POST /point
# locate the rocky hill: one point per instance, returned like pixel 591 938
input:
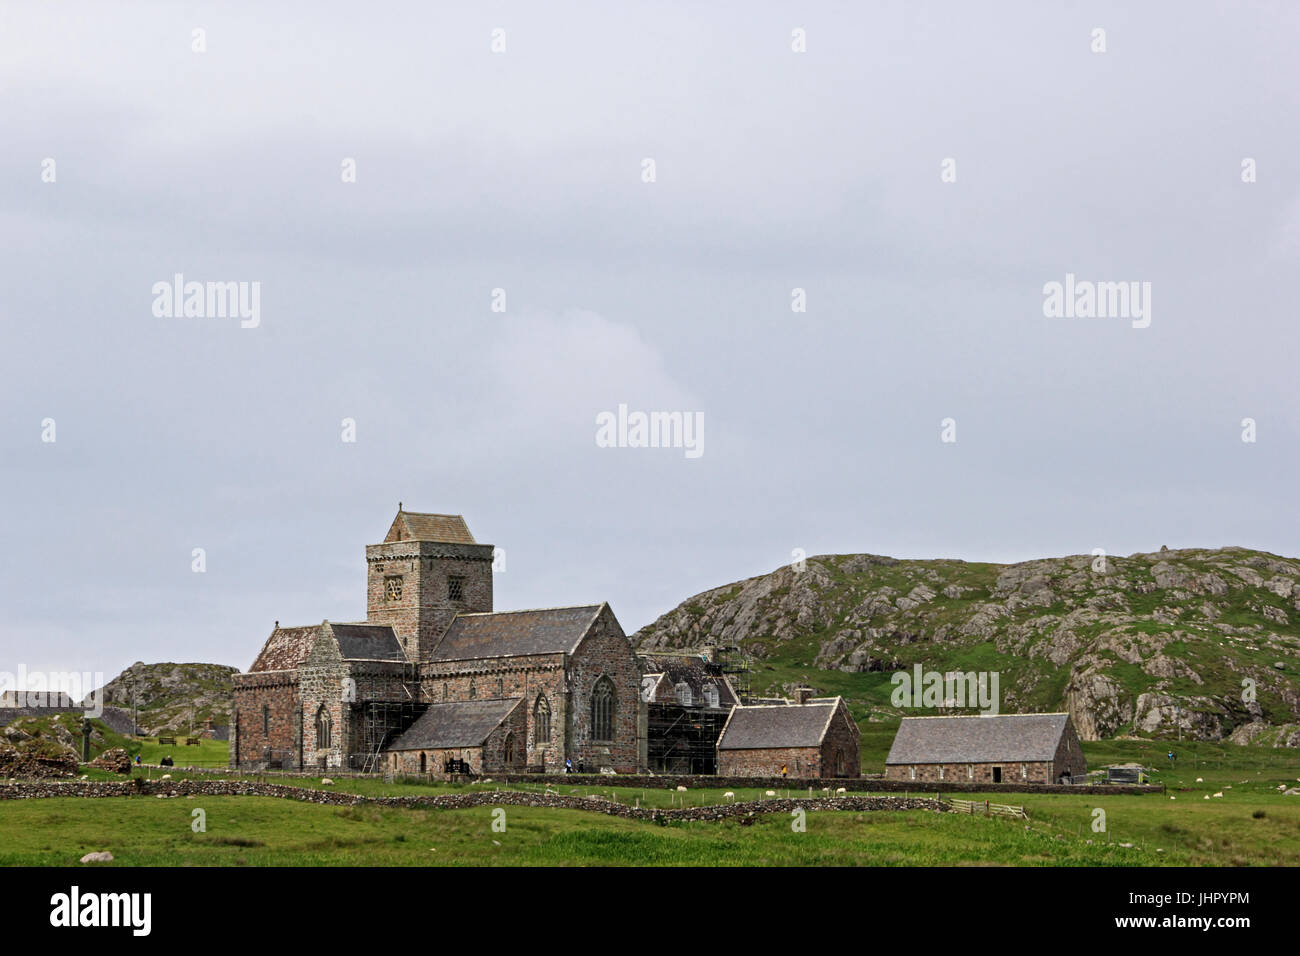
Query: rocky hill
pixel 173 697
pixel 1202 642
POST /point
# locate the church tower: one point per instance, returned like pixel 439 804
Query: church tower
pixel 428 569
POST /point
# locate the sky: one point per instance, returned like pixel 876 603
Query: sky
pixel 474 228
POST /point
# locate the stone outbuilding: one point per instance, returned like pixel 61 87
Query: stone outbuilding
pixel 812 737
pixel 464 736
pixel 1003 748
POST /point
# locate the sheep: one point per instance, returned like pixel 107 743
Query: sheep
pixel 771 793
pixel 1219 794
pixel 681 789
pixel 729 796
pixel 841 790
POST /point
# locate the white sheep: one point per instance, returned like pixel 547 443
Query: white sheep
pixel 681 789
pixel 771 793
pixel 1219 794
pixel 841 790
pixel 729 796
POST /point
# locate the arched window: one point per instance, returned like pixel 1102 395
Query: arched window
pixel 501 687
pixel 711 695
pixel 684 696
pixel 541 722
pixel 602 710
pixel 446 691
pixel 266 720
pixel 473 689
pixel 509 750
pixel 323 728
pixel 839 764
pixel 422 761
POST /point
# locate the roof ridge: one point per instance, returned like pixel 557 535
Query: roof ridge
pixel 528 610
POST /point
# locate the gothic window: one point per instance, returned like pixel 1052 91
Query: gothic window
pixel 839 765
pixel 684 694
pixel 602 710
pixel 423 761
pixel 455 588
pixel 509 749
pixel 541 722
pixel 473 689
pixel 446 691
pixel 501 687
pixel 393 588
pixel 266 720
pixel 323 727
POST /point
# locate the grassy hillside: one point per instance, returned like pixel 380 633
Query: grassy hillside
pixel 173 698
pixel 1149 644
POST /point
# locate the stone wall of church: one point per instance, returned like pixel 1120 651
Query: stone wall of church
pixel 264 724
pixel 605 654
pixel 408 586
pixel 528 676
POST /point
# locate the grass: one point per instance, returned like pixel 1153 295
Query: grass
pixel 208 753
pixel 1251 824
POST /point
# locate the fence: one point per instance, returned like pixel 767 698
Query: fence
pixel 988 809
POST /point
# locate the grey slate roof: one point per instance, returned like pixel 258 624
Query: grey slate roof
pixel 418 526
pixel 1005 737
pixel 777 725
pixel 692 670
pixel 367 642
pixel 513 633
pixel 459 723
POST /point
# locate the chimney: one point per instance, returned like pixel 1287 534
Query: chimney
pixel 802 694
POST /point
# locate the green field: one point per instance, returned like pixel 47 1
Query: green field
pixel 1251 824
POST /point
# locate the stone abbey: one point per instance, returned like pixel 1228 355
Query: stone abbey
pixel 435 680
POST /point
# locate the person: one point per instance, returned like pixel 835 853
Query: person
pixel 137 758
pixel 568 765
pixel 785 771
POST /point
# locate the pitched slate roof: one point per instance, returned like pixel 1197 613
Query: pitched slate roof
pixel 777 725
pixel 417 526
pixel 1009 737
pixel 690 669
pixel 460 723
pixel 367 642
pixel 554 630
pixel 286 648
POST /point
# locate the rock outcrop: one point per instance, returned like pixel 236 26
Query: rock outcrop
pixel 1169 642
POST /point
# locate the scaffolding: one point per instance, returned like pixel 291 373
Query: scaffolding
pixel 734 664
pixel 379 723
pixel 683 739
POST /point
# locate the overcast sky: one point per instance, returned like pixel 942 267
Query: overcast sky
pixel 523 170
